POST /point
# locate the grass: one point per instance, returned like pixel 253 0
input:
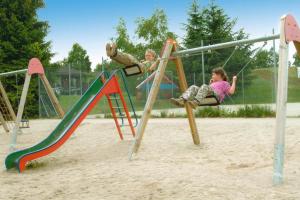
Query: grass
pixel 260 91
pixel 102 107
pixel 262 88
pixel 251 111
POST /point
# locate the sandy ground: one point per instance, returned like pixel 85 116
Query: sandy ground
pixel 234 161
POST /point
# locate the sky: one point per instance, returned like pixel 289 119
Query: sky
pixel 91 23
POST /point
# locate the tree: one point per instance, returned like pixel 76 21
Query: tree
pixel 153 31
pixel 150 32
pixel 212 25
pixel 78 58
pixel 265 59
pixel 22 36
pixel 123 40
pixel 297 60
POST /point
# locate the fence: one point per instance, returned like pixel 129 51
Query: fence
pixel 258 87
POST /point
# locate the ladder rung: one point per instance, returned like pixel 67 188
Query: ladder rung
pixel 112 98
pixel 117 107
pixel 120 117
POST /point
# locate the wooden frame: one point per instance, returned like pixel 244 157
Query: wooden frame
pixel 170 47
pixel 289 31
pixel 34 67
pixel 7 105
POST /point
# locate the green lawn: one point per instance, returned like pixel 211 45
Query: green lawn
pixel 102 107
pixel 261 90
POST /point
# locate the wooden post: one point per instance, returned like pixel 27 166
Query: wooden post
pixel 183 86
pixel 52 96
pixel 281 106
pixel 3 122
pixel 20 112
pixel 152 96
pixel 7 102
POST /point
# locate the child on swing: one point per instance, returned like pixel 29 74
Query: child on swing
pixel 150 62
pixel 218 86
pixel 147 65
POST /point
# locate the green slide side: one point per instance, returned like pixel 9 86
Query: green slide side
pixel 12 159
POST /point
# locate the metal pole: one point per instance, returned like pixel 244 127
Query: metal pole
pixel 39 86
pixel 203 73
pixel 80 77
pixel 69 79
pixel 243 88
pixel 274 70
pixel 102 65
pixel 188 52
pixel 13 72
pixel 194 77
pixel 172 79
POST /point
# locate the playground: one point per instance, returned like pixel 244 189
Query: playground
pixel 212 113
pixel 96 162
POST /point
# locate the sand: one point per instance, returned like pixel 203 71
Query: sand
pixel 234 161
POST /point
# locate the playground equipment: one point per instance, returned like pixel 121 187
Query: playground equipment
pixel 7 114
pixel 119 108
pixel 289 32
pixel 99 88
pixel 34 67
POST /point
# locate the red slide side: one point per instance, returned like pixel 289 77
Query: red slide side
pixel 110 87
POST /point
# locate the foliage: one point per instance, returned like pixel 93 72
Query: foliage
pixel 245 111
pixel 22 36
pixel 297 60
pixel 265 59
pixel 212 25
pixel 78 58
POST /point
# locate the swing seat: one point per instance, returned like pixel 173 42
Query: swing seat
pixel 132 70
pixel 24 123
pixel 211 100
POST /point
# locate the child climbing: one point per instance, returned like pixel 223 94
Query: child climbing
pixel 148 65
pixel 218 86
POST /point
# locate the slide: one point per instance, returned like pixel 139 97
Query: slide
pixel 67 126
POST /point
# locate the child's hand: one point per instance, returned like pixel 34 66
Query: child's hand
pixel 211 81
pixel 234 78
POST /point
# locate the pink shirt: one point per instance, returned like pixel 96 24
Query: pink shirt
pixel 221 88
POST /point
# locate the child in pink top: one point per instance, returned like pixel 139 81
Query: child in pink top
pixel 218 87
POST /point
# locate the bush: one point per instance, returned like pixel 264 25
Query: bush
pixel 256 111
pixel 246 111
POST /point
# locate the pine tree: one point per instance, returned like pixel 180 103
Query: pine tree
pixel 212 25
pixel 22 36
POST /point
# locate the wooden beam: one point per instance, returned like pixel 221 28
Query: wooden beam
pixel 152 96
pixel 7 102
pixel 52 96
pixel 3 122
pixel 183 86
pixel 20 112
pixel 281 106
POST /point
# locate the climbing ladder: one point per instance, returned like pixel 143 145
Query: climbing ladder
pixel 119 109
pixel 7 114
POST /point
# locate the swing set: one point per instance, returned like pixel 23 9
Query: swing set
pixel 17 121
pixel 289 32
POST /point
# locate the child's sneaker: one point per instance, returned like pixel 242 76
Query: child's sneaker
pixel 177 101
pixel 194 104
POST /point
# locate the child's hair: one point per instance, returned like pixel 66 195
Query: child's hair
pixel 152 52
pixel 220 71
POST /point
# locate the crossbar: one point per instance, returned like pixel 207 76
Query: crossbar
pixel 13 72
pixel 192 51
